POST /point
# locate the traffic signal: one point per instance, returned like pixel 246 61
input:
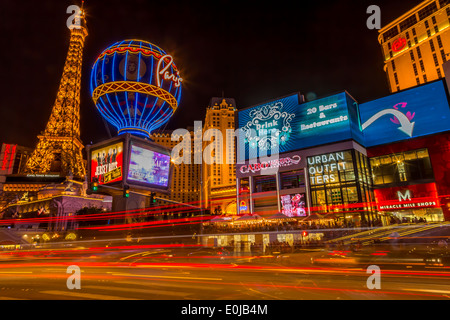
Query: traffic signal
pixel 304 233
pixel 94 185
pixel 152 198
pixel 126 191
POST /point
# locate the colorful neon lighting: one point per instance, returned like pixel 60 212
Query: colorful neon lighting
pixel 398 44
pixel 5 156
pixel 135 86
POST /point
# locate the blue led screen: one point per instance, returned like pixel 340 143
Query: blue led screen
pixel 405 115
pixel 284 125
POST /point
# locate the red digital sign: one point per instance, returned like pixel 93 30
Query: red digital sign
pixel 417 196
pixel 107 163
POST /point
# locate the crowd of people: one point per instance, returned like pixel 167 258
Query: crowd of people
pixel 271 226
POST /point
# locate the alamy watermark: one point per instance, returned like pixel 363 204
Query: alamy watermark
pixel 74 280
pixel 374 281
pixel 374 21
pixel 74 20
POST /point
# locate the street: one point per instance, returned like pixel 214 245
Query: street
pixel 139 274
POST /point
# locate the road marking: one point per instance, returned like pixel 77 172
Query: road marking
pixel 168 277
pixel 177 285
pixel 83 295
pixel 429 290
pixel 148 291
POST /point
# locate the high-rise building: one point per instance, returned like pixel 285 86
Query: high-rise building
pixel 219 178
pixel 215 177
pixel 416 45
pixel 185 183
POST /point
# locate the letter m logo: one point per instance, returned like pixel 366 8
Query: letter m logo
pixel 404 196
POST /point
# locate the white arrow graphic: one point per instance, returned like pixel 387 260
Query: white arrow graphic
pixel 407 126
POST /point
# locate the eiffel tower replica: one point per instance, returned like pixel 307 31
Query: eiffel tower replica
pixel 59 149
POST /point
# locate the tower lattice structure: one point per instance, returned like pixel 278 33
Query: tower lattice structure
pixel 59 148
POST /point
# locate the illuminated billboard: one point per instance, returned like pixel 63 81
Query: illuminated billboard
pixel 107 163
pixel 293 205
pixel 148 167
pixel 405 115
pixel 285 125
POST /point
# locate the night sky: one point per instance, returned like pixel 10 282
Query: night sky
pixel 251 51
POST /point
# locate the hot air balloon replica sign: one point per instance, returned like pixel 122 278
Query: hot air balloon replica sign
pixel 136 87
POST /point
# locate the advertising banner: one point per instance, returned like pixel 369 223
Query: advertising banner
pixel 413 113
pixel 405 198
pixel 293 205
pixel 107 163
pixel 284 125
pixel 148 167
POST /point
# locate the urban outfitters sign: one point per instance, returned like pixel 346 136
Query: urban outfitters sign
pixel 324 168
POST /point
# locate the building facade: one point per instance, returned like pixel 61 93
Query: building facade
pixel 416 45
pixel 185 183
pixel 374 163
pixel 218 175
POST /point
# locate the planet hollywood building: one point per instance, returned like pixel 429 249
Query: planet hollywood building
pixel 336 159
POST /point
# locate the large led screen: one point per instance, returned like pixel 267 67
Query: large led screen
pixel 405 115
pixel 107 163
pixel 148 167
pixel 293 205
pixel 285 125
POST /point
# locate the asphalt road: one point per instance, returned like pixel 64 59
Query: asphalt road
pixel 140 274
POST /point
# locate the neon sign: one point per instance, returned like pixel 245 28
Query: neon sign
pixel 269 127
pixel 323 169
pixel 290 124
pixel 398 44
pixel 164 71
pixel 283 162
pixel 135 86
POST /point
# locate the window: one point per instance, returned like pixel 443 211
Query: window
pixel 411 53
pixel 436 62
pixel 419 53
pixel 444 56
pixel 265 183
pixel 439 40
pixel 427 11
pixel 443 3
pixel 422 66
pixel 438 71
pixel 406 24
pixel 402 167
pixel 292 179
pixel 393 66
pixel 390 33
pixel 433 49
pixel 396 78
pixel 415 69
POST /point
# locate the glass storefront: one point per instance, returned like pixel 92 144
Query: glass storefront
pixel 413 171
pixel 340 183
pixel 406 167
